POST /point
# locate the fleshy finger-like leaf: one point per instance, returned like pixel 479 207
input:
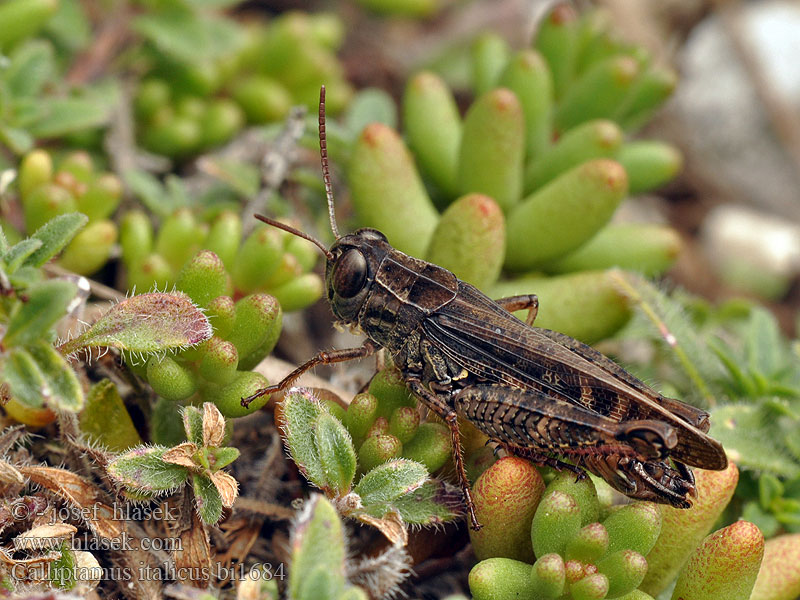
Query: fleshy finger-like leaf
pixel 146 324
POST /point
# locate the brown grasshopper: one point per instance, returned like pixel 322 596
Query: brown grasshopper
pixel 537 392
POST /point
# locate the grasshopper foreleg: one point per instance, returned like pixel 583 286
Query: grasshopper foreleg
pixel 529 301
pixel 322 358
pixel 441 408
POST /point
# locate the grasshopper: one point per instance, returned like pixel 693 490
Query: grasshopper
pixel 538 393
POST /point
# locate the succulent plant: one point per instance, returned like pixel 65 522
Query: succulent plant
pixel 196 96
pixel 530 177
pixel 46 192
pixel 395 492
pixel 268 260
pixel 384 423
pixel 583 548
pixel 218 370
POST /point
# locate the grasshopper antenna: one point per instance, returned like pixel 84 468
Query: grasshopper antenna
pixel 296 232
pixel 323 154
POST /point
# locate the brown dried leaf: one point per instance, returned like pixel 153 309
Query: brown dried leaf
pixel 227 487
pixel 44 537
pixel 241 534
pixel 9 474
pixel 182 455
pixel 87 570
pixel 80 493
pixel 213 426
pixel 193 553
pixel 391 526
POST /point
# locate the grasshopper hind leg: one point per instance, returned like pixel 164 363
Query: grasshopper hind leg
pixel 441 408
pixel 541 459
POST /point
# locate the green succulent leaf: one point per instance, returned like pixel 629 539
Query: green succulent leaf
pixel 725 566
pixel 143 469
pixel 634 527
pixel 505 578
pixel 370 105
pixel 557 520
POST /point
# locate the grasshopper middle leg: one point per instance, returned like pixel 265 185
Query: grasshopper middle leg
pixel 529 301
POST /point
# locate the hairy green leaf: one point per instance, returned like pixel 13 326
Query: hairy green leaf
pixel 63 390
pixel 300 415
pixel 147 323
pixel 317 541
pixel 143 469
pixel 391 480
pixel 55 234
pixel 209 502
pixel 45 303
pixel 336 453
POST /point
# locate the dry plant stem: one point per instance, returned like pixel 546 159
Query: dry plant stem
pixel 97 289
pixel 264 487
pixel 275 165
pixel 269 510
pixel 112 36
pixel 783 116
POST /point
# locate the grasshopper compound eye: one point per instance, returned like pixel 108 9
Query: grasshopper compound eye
pixel 349 274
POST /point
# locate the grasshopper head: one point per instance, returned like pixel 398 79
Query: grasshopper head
pixel 350 271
